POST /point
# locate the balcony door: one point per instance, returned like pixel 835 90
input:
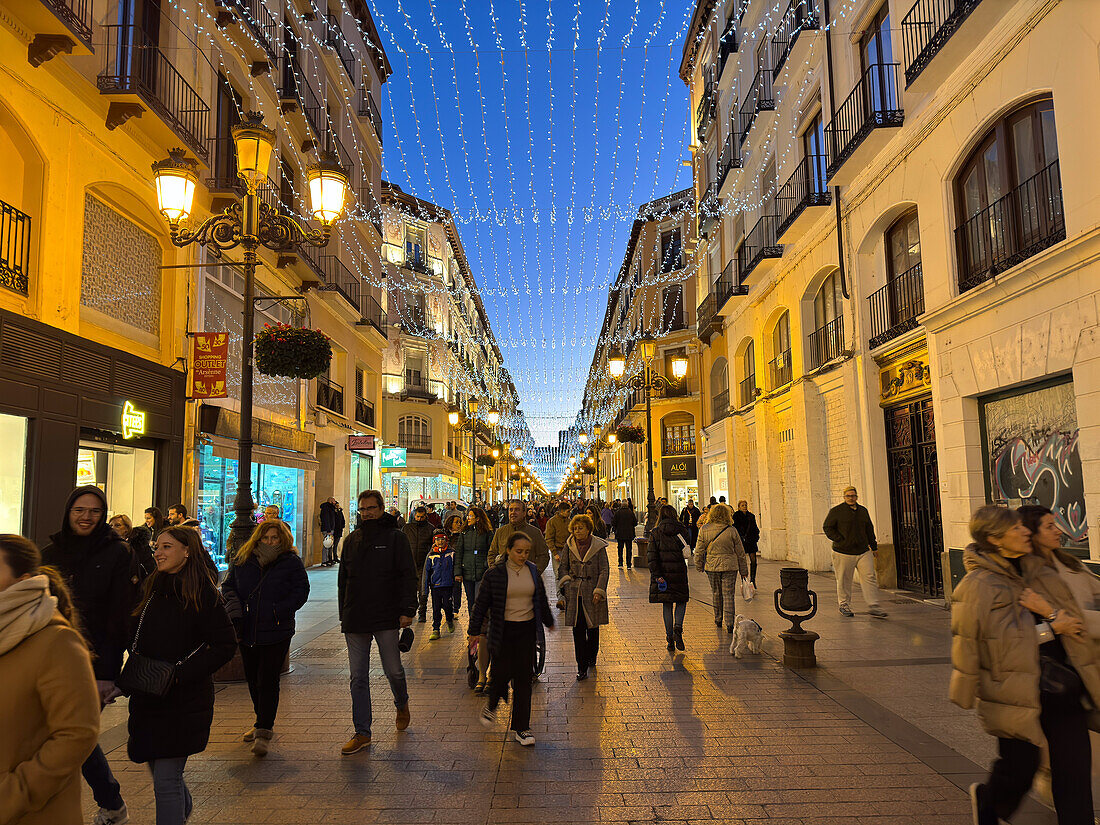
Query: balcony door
pixel 671 254
pixel 876 56
pixel 813 148
pixel 902 255
pixel 672 300
pixel 139 41
pixel 228 109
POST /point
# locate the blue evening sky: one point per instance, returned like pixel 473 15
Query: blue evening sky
pixel 541 126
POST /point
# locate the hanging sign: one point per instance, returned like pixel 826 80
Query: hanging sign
pixel 360 442
pixel 680 468
pixel 133 421
pixel 393 458
pixel 209 363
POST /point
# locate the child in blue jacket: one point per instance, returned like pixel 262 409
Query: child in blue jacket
pixel 439 578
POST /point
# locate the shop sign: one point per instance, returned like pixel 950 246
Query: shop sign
pixel 360 442
pixel 133 421
pixel 393 457
pixel 678 468
pixel 209 363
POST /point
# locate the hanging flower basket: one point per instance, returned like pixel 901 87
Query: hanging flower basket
pixel 485 461
pixel 628 434
pixel 589 470
pixel 292 352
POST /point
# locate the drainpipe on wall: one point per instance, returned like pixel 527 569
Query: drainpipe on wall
pixel 836 189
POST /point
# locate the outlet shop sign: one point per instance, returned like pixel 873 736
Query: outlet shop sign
pixel 678 468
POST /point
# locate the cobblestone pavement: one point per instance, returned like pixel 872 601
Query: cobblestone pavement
pixel 698 737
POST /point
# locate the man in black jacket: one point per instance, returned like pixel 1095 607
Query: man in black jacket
pixel 332 524
pixel 849 527
pixel 377 598
pixel 419 533
pixel 623 523
pixel 96 564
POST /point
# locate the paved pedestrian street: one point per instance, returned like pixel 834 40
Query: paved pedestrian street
pixel 868 738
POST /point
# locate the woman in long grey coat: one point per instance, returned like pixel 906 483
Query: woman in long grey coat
pixel 582 581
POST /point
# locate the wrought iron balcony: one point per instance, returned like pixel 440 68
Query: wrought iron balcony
pixel 779 370
pixel 135 65
pixel 727 286
pixel 364 412
pixel 341 279
pixel 728 44
pixel 805 188
pixel 415 442
pixel 707 320
pixel 1024 222
pixel 758 99
pixel 15 248
pixel 330 395
pixel 678 445
pixel 761 243
pixel 710 212
pixel 800 16
pixel 295 88
pixel 707 109
pixel 74 15
pixel 874 103
pixel 720 406
pixel 826 342
pixel 261 22
pixel 927 28
pixel 747 390
pixel 896 306
pixel 223 166
pixel 369 110
pixel 730 158
pixel 334 39
pixel 373 314
pixel 412 389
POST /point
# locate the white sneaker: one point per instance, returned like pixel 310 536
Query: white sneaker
pixel 488 717
pixel 105 816
pixel 524 737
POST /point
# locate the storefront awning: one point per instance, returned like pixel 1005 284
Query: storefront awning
pixel 227 448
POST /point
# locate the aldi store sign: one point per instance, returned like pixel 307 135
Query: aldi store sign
pixel 394 458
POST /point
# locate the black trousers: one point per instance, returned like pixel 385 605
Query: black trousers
pixel 586 642
pixel 626 545
pixel 752 568
pixel 330 554
pixel 1014 768
pixel 263 664
pixel 441 603
pixel 515 663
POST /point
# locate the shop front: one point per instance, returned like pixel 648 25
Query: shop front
pixel 76 412
pixel 362 449
pixel 283 470
pixel 719 481
pixel 401 488
pixel 679 474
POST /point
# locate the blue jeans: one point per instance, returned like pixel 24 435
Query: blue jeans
pixel 677 622
pixel 105 788
pixel 359 659
pixel 471 589
pixel 170 791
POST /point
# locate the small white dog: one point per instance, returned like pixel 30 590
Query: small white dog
pixel 747 635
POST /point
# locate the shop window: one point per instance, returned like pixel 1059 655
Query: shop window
pixel 13 446
pixel 125 475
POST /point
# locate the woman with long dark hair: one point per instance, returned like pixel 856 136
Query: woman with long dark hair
pixel 668 576
pixel 47 689
pixel 471 562
pixel 455 525
pixel 264 587
pixel 180 620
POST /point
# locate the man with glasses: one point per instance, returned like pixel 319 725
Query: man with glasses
pixel 377 599
pixel 849 527
pixel 96 565
pixel 517 515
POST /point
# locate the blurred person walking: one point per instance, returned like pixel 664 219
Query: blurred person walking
pixel 471 562
pixel 419 533
pixel 623 524
pixel 745 524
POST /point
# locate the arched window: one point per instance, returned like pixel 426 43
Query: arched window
pixel 1009 195
pixel 827 339
pixel 779 372
pixel 896 306
pixel 719 389
pixel 679 434
pixel 414 433
pixel 747 392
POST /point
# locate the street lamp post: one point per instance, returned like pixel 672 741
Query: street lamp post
pixel 250 224
pixel 648 380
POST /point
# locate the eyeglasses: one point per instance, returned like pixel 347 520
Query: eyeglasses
pixel 86 511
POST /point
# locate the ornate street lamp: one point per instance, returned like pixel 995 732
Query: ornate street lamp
pixel 250 224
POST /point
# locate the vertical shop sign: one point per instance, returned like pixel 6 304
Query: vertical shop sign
pixel 209 362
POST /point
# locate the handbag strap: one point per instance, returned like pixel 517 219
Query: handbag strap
pixel 133 646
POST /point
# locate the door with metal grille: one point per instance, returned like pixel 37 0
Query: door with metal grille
pixel 915 496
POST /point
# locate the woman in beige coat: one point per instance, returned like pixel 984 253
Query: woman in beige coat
pixel 582 581
pixel 1019 651
pixel 721 555
pixel 47 690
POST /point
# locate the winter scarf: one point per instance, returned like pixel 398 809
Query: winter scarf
pixel 25 608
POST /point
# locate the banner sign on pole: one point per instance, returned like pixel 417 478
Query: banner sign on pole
pixel 209 363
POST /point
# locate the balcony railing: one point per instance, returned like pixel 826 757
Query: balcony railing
pixel 927 27
pixel 720 406
pixel 417 264
pixel 678 445
pixel 707 108
pixel 15 248
pixel 779 370
pixel 369 110
pixel 342 279
pixel 334 39
pixel 330 395
pixel 415 443
pixel 874 103
pixel 364 412
pixel 295 87
pixel 373 314
pixel 223 166
pixel 896 306
pixel 710 212
pixel 801 15
pixel 806 187
pixel 759 244
pixel 730 158
pixel 728 285
pixel 1024 222
pixel 728 43
pixel 758 99
pixel 672 263
pixel 263 24
pixel 827 342
pixel 75 14
pixel 707 320
pixel 412 389
pixel 136 65
pixel 746 390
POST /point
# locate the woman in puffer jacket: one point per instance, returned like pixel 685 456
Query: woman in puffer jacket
pixel 720 554
pixel 1019 651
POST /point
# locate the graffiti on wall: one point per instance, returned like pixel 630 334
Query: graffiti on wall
pixel 1032 443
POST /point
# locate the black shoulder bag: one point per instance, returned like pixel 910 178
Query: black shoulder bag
pixel 144 674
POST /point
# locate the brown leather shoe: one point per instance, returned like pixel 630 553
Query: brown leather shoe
pixel 403 717
pixel 355 744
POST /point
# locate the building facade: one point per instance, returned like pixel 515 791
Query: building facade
pixel 893 247
pixel 96 94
